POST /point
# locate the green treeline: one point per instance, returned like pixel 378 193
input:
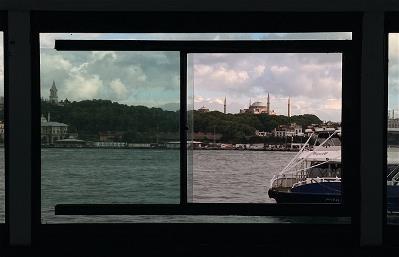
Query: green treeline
pixel 138 123
pixel 240 128
pixel 150 125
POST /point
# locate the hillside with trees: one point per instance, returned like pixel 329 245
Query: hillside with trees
pixel 144 124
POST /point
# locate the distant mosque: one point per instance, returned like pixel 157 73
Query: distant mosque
pixel 261 108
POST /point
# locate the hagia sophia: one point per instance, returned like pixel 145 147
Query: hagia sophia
pixel 254 108
pixel 260 108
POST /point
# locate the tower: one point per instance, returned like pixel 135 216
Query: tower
pixel 289 107
pixel 53 94
pixel 268 104
pixel 224 105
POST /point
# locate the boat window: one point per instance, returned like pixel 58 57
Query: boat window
pixel 258 122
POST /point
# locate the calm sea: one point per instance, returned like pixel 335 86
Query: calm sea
pixel 152 176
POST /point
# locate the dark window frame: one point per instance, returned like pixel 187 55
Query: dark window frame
pixel 47 22
pixel 185 48
pixel 389 230
pixel 4 226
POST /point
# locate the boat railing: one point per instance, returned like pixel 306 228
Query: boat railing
pixel 287 180
pixel 316 180
pixel 297 161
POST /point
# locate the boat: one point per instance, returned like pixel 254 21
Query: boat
pixel 314 176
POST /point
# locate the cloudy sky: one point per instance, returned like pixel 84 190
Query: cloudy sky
pixel 313 81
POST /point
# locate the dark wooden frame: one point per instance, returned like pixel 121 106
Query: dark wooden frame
pixel 211 235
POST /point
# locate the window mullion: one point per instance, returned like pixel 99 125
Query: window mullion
pixel 183 127
pixel 372 130
pixel 19 128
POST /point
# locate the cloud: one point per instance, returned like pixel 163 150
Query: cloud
pixel 118 87
pixel 260 69
pixel 310 79
pixel 81 87
pixel 152 78
pixel 278 70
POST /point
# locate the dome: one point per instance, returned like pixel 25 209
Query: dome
pixel 258 104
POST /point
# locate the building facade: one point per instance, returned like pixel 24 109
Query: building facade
pixel 52 131
pixel 288 130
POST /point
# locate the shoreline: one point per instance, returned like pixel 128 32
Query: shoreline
pixel 165 148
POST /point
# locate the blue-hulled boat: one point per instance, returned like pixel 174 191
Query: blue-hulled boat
pixel 314 175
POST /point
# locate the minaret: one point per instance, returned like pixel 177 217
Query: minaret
pixel 53 94
pixel 289 107
pixel 249 103
pixel 268 104
pixel 224 105
pixel 393 113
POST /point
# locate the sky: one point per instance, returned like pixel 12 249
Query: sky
pixel 312 81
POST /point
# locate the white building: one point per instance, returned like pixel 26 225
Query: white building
pixel 288 131
pixel 52 131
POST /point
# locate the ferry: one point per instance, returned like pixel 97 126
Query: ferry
pixel 314 176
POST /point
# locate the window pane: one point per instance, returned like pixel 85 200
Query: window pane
pixel 109 128
pixel 265 127
pixel 393 130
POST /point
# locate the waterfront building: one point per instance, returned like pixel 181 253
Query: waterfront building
pixel 110 144
pixel 288 130
pixel 190 144
pixel 328 126
pixel 53 94
pixel 52 131
pixel 393 123
pixel 262 133
pixel 203 109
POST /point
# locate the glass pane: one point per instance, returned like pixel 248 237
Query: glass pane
pixel 393 130
pixel 109 128
pixel 266 127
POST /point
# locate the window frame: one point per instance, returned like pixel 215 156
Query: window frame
pixel 4 226
pixel 52 22
pixel 389 230
pixel 193 47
